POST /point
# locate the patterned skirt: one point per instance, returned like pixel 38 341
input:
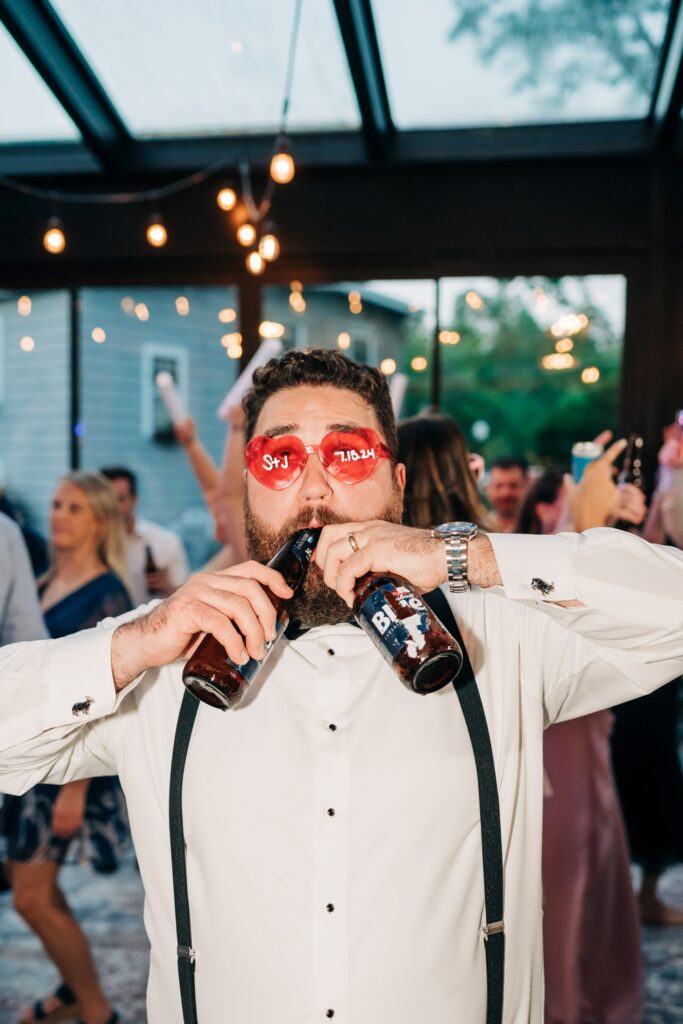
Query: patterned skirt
pixel 26 825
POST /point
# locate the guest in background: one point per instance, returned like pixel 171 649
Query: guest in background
pixel 83 585
pixel 440 484
pixel 155 557
pixel 20 617
pixel 506 489
pixel 591 936
pixel 645 737
pixel 34 541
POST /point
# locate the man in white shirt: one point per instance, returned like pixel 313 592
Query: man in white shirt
pixel 157 563
pixel 331 822
pixel 20 615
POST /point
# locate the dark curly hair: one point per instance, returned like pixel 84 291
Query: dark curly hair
pixel 320 367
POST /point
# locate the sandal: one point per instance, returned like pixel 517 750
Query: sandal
pixel 68 1009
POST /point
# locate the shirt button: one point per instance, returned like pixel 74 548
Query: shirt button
pixel 330 908
pixel 329 1013
pixel 330 651
pixel 332 727
pixel 331 812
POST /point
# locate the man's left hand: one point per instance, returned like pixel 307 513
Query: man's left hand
pixel 383 547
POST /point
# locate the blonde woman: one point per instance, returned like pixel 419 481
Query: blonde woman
pixel 85 583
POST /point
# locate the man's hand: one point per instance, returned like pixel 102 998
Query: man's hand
pixel 231 605
pixel 389 547
pixel 68 810
pixel 186 432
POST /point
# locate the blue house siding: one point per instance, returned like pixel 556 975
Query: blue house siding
pixel 34 400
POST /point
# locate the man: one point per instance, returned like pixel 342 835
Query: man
pixel 332 821
pixel 157 563
pixel 506 490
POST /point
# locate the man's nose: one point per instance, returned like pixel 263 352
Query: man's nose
pixel 315 482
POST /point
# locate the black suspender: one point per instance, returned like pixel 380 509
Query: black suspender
pixel 492 850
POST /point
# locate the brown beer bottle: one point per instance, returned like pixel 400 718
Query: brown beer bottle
pixel 209 673
pixel 631 472
pixel 406 631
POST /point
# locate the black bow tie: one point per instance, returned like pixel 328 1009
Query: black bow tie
pixel 295 629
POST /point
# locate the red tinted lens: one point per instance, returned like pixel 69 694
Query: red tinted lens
pixel 275 462
pixel 351 456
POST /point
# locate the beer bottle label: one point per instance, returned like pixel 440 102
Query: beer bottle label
pixel 396 620
pixel 304 545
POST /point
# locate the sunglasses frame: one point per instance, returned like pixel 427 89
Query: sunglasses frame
pixel 367 434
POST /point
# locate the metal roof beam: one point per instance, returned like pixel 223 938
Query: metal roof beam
pixel 668 95
pixel 359 36
pixel 44 39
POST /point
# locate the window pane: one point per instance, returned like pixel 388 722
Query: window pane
pixel 210 68
pixel 531 365
pixel 497 62
pixel 28 110
pixel 127 338
pixel 34 398
pixel 373 322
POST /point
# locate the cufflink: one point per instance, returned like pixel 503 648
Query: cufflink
pixel 83 707
pixel 542 586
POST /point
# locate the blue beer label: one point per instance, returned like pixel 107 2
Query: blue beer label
pixel 396 620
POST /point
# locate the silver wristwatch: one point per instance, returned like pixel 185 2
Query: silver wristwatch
pixel 456 537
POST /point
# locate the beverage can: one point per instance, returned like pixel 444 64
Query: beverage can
pixel 583 453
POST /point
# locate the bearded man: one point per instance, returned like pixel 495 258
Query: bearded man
pixel 332 821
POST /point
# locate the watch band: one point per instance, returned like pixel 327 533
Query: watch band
pixel 456 564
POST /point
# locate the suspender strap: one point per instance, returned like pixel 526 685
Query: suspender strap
pixel 492 847
pixel 186 955
pixel 491 842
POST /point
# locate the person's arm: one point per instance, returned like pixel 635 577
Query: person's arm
pixel 20 615
pixel 57 696
pixel 201 463
pixel 229 514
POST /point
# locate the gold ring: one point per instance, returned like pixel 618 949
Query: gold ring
pixel 355 546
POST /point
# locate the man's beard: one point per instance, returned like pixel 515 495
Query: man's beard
pixel 315 604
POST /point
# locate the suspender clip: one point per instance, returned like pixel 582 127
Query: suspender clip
pixel 187 953
pixel 495 928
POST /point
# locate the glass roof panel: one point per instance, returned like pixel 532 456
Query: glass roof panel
pixel 172 68
pixel 510 62
pixel 28 110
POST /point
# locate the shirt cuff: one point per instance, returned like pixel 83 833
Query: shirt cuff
pixel 78 678
pixel 536 568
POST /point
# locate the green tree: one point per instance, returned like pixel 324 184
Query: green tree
pixel 563 42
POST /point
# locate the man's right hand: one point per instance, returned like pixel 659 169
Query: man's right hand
pixel 231 605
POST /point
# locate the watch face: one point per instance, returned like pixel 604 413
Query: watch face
pixel 456 529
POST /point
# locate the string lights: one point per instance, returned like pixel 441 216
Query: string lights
pixel 255 233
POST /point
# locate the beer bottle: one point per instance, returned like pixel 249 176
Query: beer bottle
pixel 151 566
pixel 631 472
pixel 406 631
pixel 209 673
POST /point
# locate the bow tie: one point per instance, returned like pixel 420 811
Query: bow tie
pixel 295 629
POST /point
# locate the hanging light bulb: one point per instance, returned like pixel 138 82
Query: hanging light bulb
pixel 255 262
pixel 157 235
pixel 227 199
pixel 246 234
pixel 54 240
pixel 269 246
pixel 282 167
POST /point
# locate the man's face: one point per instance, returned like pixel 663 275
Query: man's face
pixel 126 500
pixel 315 498
pixel 506 490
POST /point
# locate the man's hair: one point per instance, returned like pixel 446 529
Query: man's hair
pixel 121 473
pixel 511 462
pixel 319 367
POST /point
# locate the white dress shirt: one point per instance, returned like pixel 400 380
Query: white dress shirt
pixel 332 821
pixel 168 553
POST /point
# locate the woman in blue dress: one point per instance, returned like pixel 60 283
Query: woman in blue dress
pixel 84 584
